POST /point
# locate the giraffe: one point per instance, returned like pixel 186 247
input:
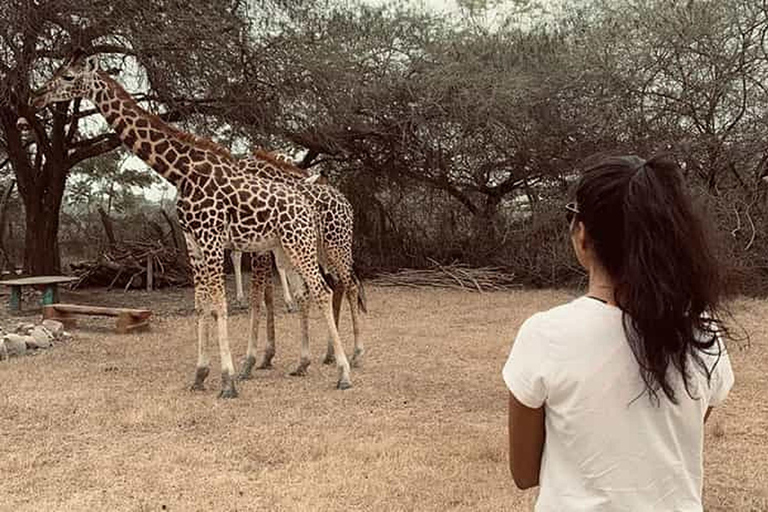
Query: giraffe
pixel 216 205
pixel 335 220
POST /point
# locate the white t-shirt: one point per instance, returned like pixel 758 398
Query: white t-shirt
pixel 606 449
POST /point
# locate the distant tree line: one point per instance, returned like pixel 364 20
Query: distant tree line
pixel 455 136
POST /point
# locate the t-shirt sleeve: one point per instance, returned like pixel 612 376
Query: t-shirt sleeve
pixel 722 377
pixel 525 369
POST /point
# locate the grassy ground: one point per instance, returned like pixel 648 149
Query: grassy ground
pixel 107 423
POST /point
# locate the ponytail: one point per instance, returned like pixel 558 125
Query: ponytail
pixel 644 231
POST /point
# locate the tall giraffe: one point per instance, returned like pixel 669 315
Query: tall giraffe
pixel 335 221
pixel 217 204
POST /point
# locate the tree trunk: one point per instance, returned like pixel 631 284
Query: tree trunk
pixel 4 200
pixel 108 229
pixel 484 222
pixel 42 203
pixel 41 242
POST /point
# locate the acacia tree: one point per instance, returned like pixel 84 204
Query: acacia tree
pixel 107 181
pixel 412 97
pixel 183 66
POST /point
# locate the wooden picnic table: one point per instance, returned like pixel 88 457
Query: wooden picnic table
pixel 50 285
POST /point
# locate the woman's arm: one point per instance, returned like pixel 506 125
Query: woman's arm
pixel 526 443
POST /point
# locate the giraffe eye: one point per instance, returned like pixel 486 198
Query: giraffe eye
pixel 68 78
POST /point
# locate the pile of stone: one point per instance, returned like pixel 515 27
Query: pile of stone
pixel 27 338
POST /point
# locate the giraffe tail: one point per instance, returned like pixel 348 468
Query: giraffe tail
pixel 362 303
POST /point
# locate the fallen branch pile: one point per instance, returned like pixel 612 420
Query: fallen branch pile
pixel 456 276
pixel 126 265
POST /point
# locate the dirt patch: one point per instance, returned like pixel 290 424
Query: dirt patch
pixel 107 421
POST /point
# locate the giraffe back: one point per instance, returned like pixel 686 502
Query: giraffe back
pixel 334 214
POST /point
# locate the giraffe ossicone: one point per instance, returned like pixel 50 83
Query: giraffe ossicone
pixel 218 204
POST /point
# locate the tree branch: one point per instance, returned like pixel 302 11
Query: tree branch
pixel 99 145
pixel 93 140
pixel 74 122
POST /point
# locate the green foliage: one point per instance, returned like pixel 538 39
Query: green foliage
pixel 108 181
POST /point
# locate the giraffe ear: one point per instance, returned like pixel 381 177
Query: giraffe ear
pixel 76 55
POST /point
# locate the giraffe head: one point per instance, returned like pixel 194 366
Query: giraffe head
pixel 74 79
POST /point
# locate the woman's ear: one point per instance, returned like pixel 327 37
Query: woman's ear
pixel 580 242
pixel 581 236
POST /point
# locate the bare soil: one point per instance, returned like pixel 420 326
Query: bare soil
pixel 107 422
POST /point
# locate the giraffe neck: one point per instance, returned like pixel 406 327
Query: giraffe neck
pixel 169 151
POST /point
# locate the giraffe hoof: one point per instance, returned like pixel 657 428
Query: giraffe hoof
pixel 245 371
pixel 343 384
pixel 228 389
pixel 329 359
pixel 228 393
pixel 291 307
pixel 200 374
pixel 357 359
pixel 266 360
pixel 301 371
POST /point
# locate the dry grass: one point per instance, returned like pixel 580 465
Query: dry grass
pixel 107 423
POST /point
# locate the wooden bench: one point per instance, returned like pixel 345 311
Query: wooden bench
pixel 48 283
pixel 127 319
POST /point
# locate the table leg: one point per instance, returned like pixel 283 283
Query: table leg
pixel 50 295
pixel 15 298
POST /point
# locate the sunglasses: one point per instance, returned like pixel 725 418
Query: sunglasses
pixel 571 210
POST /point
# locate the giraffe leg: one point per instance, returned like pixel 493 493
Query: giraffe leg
pixel 341 261
pixel 351 291
pixel 322 296
pixel 237 258
pixel 261 266
pixel 269 302
pixel 212 279
pixel 280 263
pixel 290 302
pixel 342 364
pixel 203 359
pixel 303 257
pixel 202 314
pixel 337 297
pixel 304 358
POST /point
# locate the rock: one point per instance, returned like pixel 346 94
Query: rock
pixel 24 328
pixel 3 350
pixel 41 338
pixel 16 344
pixel 65 336
pixel 55 327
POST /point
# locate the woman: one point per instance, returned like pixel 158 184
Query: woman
pixel 609 393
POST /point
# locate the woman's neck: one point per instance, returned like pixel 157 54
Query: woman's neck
pixel 601 285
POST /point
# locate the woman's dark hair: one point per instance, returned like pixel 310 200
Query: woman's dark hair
pixel 642 226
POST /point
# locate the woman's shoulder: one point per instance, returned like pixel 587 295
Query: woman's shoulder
pixel 577 309
pixel 580 315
